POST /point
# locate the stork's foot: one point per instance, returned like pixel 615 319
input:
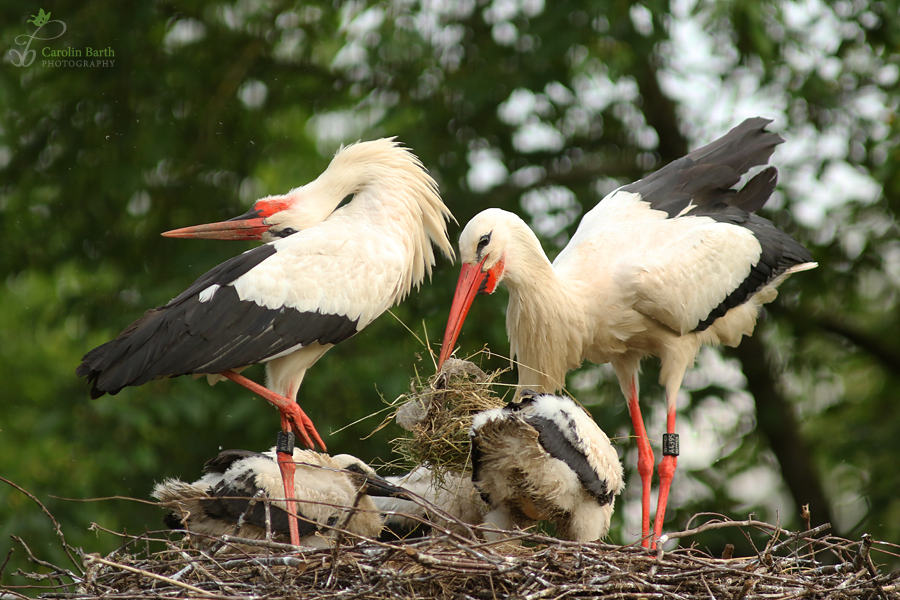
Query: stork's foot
pixel 302 425
pixel 292 416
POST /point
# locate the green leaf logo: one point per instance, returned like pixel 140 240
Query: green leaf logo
pixel 40 19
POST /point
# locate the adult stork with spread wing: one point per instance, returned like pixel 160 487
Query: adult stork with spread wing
pixel 658 268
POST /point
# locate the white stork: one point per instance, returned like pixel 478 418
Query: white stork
pixel 658 268
pixel 333 493
pixel 453 494
pixel 327 274
pixel 544 458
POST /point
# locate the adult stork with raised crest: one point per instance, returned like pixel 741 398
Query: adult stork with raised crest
pixel 328 271
pixel 658 268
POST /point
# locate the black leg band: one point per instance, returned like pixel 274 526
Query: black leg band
pixel 670 444
pixel 285 442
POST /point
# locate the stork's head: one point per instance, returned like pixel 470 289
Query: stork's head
pixel 303 207
pixel 483 247
pixel 374 167
pixel 367 480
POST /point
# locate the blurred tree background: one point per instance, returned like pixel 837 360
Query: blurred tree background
pixel 537 107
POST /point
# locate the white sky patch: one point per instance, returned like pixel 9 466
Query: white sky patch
pixel 589 377
pixel 537 136
pixel 183 33
pixel 253 93
pixel 289 47
pixel 344 126
pixel 716 425
pixel 817 194
pixel 506 10
pixel 559 93
pixel 595 91
pixel 642 19
pixel 761 486
pixel 552 209
pixel 139 203
pixel 528 176
pixel 873 104
pixel 518 107
pixel 365 22
pixel 501 10
pixel 352 54
pixel 486 169
pixel 711 368
pixel 845 485
pixel 888 75
pixel 504 33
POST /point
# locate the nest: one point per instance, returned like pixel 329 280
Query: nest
pixel 456 561
pixel 438 413
pixel 789 565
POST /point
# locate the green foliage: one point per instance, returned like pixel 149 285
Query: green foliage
pixel 211 105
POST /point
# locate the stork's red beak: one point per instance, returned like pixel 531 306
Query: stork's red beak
pixel 249 226
pixel 472 281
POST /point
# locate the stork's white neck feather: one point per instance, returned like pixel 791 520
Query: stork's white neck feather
pixel 391 190
pixel 538 295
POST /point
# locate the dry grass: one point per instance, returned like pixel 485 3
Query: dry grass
pixel 438 413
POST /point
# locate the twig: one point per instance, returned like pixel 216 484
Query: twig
pixel 92 558
pixel 719 525
pixel 233 539
pixel 267 561
pixel 448 565
pixel 53 568
pixel 5 562
pixel 56 526
pixel 792 537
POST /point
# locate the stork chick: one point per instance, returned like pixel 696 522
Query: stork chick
pixel 545 458
pixel 452 493
pixel 332 492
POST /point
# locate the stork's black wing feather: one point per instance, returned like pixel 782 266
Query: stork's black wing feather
pixel 228 503
pixel 221 332
pixel 705 179
pixel 226 458
pixel 705 176
pixel 557 445
pixel 780 252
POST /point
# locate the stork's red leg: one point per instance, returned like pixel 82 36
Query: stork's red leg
pixel 645 460
pixel 666 471
pixel 285 448
pixel 293 417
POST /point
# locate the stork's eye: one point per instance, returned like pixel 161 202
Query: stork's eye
pixel 483 241
pixel 347 200
pixel 284 232
pixel 355 468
